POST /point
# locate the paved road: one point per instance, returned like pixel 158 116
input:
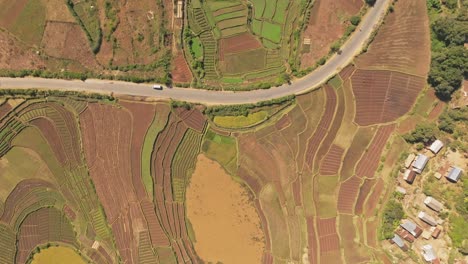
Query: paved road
pixel 351 48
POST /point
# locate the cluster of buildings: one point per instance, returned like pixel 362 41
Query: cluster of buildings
pixel 408 230
pixel 415 164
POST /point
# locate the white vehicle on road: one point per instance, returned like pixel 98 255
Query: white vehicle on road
pixel 157 87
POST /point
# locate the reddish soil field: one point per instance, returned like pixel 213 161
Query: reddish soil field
pixel 4 109
pixel 403 41
pixel 347 72
pixel 332 131
pixel 238 43
pixel 321 131
pixel 436 111
pixel 37 229
pixel 193 118
pixel 332 161
pixel 326 226
pixel 373 200
pixel 312 239
pixel 181 72
pixel 329 243
pixel 326 25
pixel 252 182
pixel 68 41
pixel 369 162
pixel 384 96
pixel 68 211
pixel 284 122
pixel 22 197
pixel 371 228
pixel 348 194
pixel 46 126
pixel 363 192
pixel 107 128
pixel 267 258
pixel 296 188
pixel 142 116
pixel 158 237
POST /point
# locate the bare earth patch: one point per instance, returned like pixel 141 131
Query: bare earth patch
pixel 226 224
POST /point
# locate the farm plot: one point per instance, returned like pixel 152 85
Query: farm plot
pixel 106 128
pixel 403 41
pixel 327 23
pixel 238 43
pixel 40 227
pixel 358 146
pixel 367 166
pixel 384 96
pixel 332 161
pixel 347 195
pixel 181 72
pixel 328 237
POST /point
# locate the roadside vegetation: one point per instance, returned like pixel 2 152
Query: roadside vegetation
pixel 391 217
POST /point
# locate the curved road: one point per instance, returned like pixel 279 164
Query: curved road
pixel 351 48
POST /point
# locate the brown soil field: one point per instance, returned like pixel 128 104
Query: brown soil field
pixel 332 161
pixel 366 187
pixel 354 251
pixel 193 118
pixel 321 131
pixel 348 194
pixel 403 42
pixel 106 127
pixel 68 41
pixel 47 128
pixel 369 162
pixel 15 55
pixel 358 146
pixel 284 122
pixel 238 43
pixel 437 110
pixel 327 24
pixel 142 116
pixel 4 109
pixel 181 72
pixel 225 223
pixel 347 72
pixel 332 131
pixel 312 241
pixel 384 96
pixel 373 200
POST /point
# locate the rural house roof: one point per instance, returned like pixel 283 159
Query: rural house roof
pixel 399 242
pixel 412 228
pixel 405 234
pixel 428 253
pixel 409 176
pixel 409 160
pixel 433 204
pixel 436 146
pixel 454 174
pixel 420 163
pixel 427 218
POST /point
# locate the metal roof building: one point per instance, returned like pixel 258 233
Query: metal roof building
pixel 428 253
pixel 427 218
pixel 420 163
pixel 409 176
pixel 399 242
pixel 412 228
pixel 454 174
pixel 436 146
pixel 433 204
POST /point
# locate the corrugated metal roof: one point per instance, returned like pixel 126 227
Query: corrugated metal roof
pixel 398 240
pixel 454 174
pixel 436 146
pixel 420 162
pixel 428 253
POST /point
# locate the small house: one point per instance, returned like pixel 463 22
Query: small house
pixel 420 163
pixel 427 218
pixel 454 174
pixel 429 253
pixel 409 160
pixel 405 235
pixel 435 232
pixel 399 242
pixel 409 176
pixel 412 228
pixel 433 204
pixel 436 146
pixel 426 234
pixel 401 190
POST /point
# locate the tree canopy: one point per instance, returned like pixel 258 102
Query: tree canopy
pixel 423 133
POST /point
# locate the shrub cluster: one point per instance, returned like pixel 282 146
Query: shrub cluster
pixel 244 109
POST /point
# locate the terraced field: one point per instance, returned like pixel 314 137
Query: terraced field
pixel 246 47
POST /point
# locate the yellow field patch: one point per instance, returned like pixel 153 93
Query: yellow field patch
pixel 240 121
pixel 57 255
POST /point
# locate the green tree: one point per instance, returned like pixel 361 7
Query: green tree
pixel 423 133
pixel 392 215
pixel 370 2
pixel 355 20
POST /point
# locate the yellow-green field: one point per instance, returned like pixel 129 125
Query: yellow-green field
pixel 240 121
pixel 57 255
